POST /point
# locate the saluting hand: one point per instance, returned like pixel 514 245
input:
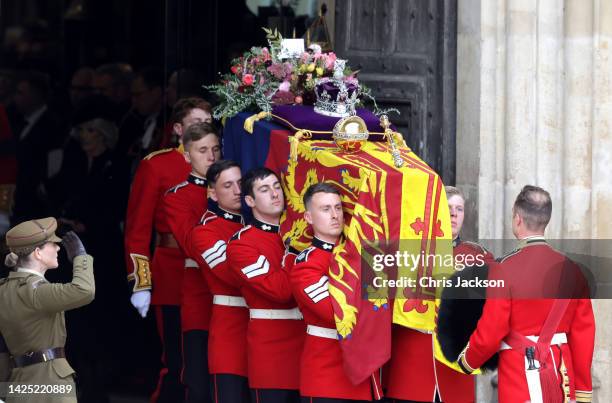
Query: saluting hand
pixel 74 246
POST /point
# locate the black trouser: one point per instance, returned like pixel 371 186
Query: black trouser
pixel 195 373
pixel 230 388
pixel 169 387
pixel 274 396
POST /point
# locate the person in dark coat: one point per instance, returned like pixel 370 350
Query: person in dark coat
pixel 37 133
pixel 94 209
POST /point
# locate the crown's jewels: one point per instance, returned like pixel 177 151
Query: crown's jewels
pixel 350 133
pixel 336 96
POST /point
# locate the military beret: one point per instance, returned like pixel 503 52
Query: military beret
pixel 25 237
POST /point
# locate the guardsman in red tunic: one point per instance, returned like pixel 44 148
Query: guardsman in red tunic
pixel 322 375
pixel 227 351
pixel 184 205
pixel 434 381
pixel 276 330
pixel 543 329
pixel 162 276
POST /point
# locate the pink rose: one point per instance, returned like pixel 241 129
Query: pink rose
pixel 329 61
pixel 247 79
pixel 284 86
pixel 266 54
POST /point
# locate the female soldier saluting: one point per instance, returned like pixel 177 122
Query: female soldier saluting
pixel 32 315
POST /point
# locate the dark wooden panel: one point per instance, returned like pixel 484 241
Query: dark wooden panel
pixel 407 52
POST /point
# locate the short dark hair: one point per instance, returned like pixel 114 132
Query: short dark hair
pixel 184 106
pixel 321 187
pixel 198 131
pixel 216 169
pixel 248 180
pixel 534 206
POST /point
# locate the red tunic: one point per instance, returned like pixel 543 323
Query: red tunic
pixel 156 173
pixel 227 351
pixel 184 205
pixel 412 348
pixel 322 373
pixel 255 255
pixel 540 264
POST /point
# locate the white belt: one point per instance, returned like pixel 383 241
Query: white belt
pixel 229 300
pixel 558 338
pixel 294 314
pixel 324 332
pixel 191 263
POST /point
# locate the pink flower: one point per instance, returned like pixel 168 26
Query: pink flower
pixel 247 79
pixel 329 60
pixel 351 80
pixel 266 54
pixel 284 86
pixel 262 80
pixel 280 70
pixel 305 57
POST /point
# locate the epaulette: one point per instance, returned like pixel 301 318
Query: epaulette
pixel 303 257
pixel 158 152
pixel 37 282
pixel 207 218
pixel 508 255
pixel 175 189
pixel 237 234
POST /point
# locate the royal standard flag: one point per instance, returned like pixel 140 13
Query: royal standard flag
pixel 404 208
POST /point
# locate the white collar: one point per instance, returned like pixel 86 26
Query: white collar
pixel 34 116
pixel 532 237
pixel 22 270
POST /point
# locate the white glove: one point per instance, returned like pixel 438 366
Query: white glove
pixel 141 301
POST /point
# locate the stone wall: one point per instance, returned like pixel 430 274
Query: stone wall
pixel 534 106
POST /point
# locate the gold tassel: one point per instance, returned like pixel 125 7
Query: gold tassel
pixel 294 142
pixel 249 123
pixel 399 139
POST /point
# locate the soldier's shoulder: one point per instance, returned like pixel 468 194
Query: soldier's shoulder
pixel 304 255
pixel 176 188
pixel 30 282
pixel 475 246
pixel 508 256
pixel 207 218
pixel 158 153
pixel 240 233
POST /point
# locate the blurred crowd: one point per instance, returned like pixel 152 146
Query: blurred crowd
pixel 71 152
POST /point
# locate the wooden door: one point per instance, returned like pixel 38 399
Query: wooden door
pixel 406 50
